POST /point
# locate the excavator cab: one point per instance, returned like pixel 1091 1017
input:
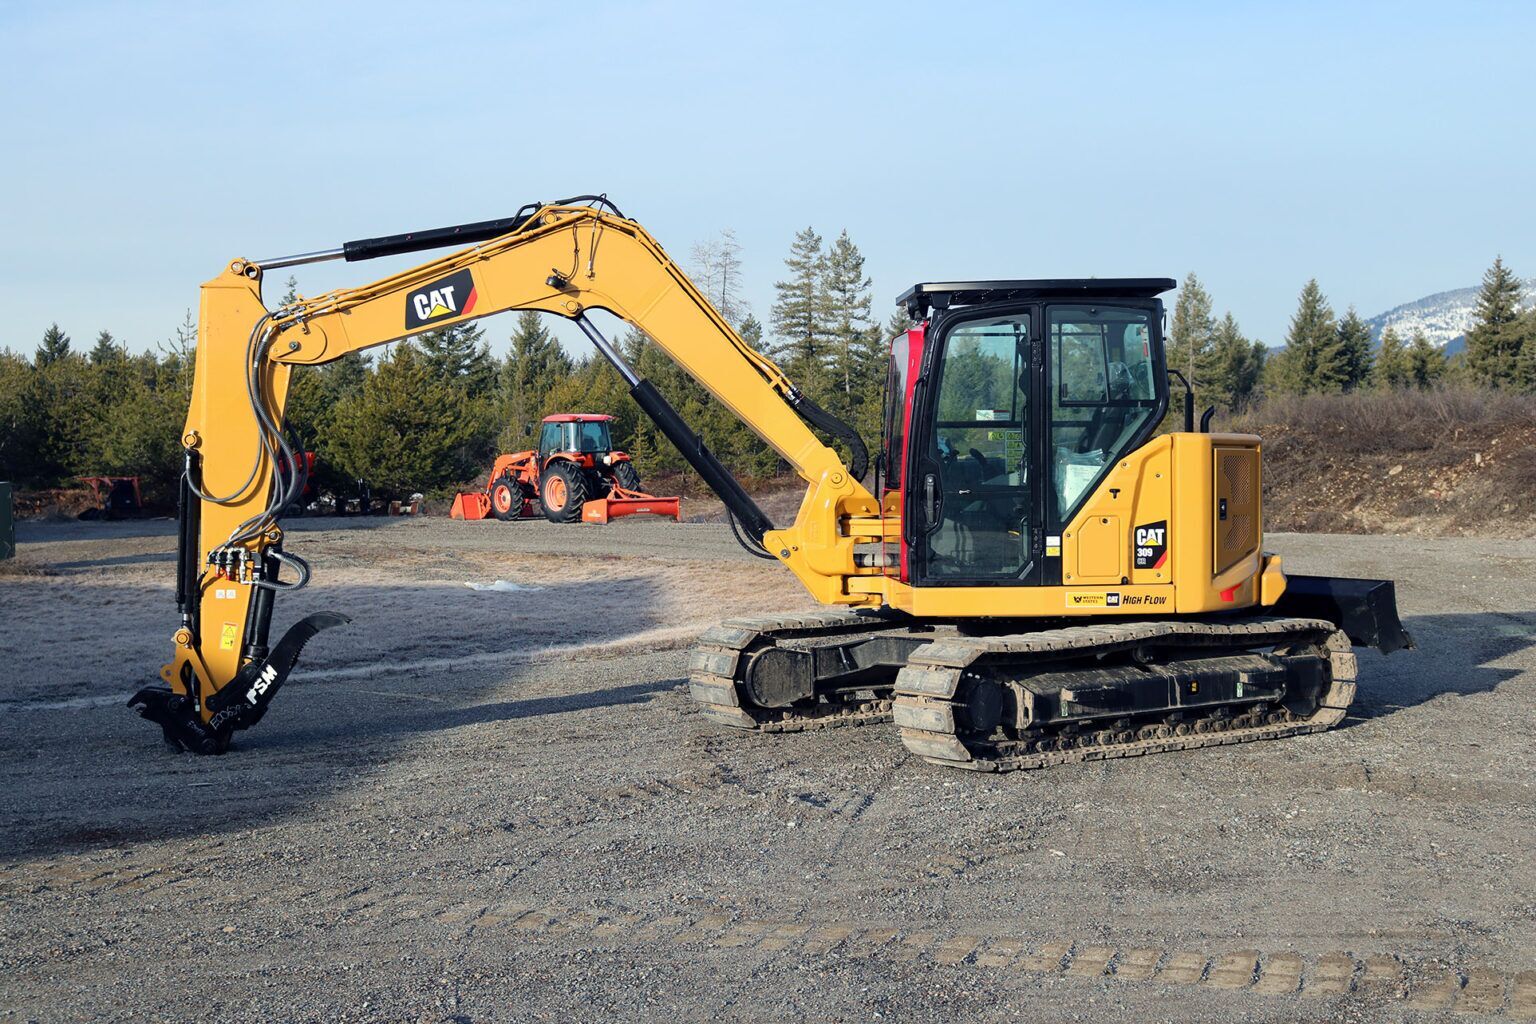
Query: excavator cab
pixel 1009 405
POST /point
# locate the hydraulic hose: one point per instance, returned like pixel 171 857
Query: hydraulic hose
pixel 819 417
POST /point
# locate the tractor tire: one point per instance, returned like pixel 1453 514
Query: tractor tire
pixel 506 498
pixel 627 476
pixel 564 491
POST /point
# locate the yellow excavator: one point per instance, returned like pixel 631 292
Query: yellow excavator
pixel 1036 575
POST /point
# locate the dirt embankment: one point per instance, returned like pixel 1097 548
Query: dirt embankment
pixel 1450 463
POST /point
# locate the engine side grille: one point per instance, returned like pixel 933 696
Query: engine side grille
pixel 1237 489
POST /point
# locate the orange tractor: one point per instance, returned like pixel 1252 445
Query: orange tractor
pixel 574 474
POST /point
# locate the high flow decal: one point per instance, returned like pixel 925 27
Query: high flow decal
pixel 1152 545
pixel 443 299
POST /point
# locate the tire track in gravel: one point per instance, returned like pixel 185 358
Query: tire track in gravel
pixel 1349 976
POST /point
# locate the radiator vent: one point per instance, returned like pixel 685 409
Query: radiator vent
pixel 1237 490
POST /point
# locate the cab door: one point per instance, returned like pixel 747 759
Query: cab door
pixel 972 501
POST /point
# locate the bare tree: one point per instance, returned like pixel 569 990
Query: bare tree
pixel 716 268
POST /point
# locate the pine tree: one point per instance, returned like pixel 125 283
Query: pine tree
pixel 408 430
pixel 107 350
pixel 1354 358
pixel 1394 363
pixel 18 420
pixel 1494 343
pixel 459 355
pixel 138 430
pixel 55 346
pixel 799 316
pixel 61 408
pixel 1235 364
pixel 1194 332
pixel 1525 364
pixel 850 321
pixel 1427 363
pixel 751 331
pixel 532 368
pixel 1309 360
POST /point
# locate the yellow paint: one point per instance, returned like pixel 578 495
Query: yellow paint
pixel 614 264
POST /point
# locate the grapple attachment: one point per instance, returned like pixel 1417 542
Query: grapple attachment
pixel 238 705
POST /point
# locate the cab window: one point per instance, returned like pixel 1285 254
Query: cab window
pixel 1103 394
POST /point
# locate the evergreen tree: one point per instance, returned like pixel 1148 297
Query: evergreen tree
pixel 532 368
pixel 459 355
pixel 1525 363
pixel 800 314
pixel 18 419
pixel 850 322
pixel 1193 333
pixel 1494 343
pixel 107 350
pixel 1234 366
pixel 62 407
pixel 1309 360
pixel 751 331
pixel 1353 352
pixel 408 430
pixel 1394 363
pixel 1427 363
pixel 138 431
pixel 55 346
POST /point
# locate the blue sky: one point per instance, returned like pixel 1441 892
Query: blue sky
pixel 1384 148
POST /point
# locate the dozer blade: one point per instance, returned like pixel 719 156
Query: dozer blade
pixel 240 704
pixel 1366 610
pixel 605 509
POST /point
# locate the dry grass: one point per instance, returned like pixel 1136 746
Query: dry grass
pixel 20 568
pixel 1456 461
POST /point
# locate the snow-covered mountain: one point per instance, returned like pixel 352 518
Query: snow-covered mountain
pixel 1444 317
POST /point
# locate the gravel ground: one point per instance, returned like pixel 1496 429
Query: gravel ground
pixel 500 806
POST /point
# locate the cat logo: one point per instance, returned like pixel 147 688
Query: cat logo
pixel 453 296
pixel 1151 545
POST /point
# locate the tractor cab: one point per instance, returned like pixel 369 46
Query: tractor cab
pixel 578 432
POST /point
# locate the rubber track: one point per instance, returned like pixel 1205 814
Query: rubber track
pixel 716 660
pixel 925 688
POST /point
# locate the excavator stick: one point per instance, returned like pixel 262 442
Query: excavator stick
pixel 621 502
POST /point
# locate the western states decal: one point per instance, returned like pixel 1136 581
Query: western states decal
pixel 1113 599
